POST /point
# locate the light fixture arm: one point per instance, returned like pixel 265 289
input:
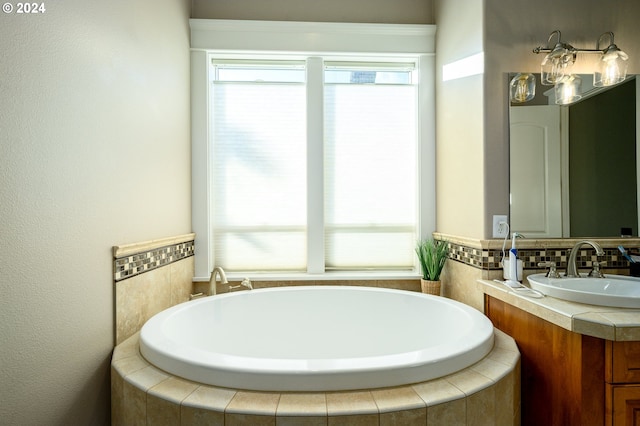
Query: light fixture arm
pixel 598 49
pixel 611 43
pixel 547 48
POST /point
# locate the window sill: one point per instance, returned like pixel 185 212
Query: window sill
pixel 328 276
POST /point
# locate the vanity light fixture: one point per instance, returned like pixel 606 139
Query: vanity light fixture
pixel 558 62
pixel 522 88
pixel 556 65
pixel 612 67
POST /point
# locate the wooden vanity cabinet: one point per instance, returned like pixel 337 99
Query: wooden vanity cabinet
pixel 622 383
pixel 562 373
pixel 568 378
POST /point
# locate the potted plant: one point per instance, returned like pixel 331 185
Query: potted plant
pixel 432 255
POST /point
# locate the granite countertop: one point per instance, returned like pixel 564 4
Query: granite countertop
pixel 617 324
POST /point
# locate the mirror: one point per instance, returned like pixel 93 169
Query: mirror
pixel 573 168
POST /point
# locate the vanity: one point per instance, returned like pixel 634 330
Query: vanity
pixel 580 362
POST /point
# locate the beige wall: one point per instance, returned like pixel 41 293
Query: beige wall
pixel 459 125
pixel 373 11
pixel 95 151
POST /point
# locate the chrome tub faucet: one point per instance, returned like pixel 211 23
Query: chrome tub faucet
pixel 212 281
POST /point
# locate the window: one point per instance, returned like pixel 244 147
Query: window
pixel 259 171
pixel 370 166
pixel 311 163
pixel 365 187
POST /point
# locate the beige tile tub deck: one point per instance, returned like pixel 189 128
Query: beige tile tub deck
pixel 484 393
pixel 205 406
pixel 302 409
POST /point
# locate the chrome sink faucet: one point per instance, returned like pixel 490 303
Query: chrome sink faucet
pixel 572 269
pixel 212 281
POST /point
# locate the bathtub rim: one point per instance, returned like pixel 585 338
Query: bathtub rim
pixel 283 378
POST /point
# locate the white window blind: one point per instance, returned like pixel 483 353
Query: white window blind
pixel 259 173
pixel 369 179
pixel 370 170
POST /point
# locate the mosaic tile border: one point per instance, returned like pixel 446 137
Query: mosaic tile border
pixel 135 264
pixel 490 258
pixel 531 258
pixel 468 255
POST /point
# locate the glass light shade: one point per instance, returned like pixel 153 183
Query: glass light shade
pixel 612 67
pixel 557 64
pixel 522 88
pixel 568 90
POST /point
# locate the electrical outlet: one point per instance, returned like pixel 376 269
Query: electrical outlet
pixel 500 226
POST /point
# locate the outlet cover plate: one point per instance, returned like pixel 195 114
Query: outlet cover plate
pixel 500 231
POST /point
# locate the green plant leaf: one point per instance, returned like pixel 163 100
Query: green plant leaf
pixel 432 255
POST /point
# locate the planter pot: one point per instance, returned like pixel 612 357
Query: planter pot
pixel 430 287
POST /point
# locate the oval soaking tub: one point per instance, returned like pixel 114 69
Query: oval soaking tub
pixel 316 338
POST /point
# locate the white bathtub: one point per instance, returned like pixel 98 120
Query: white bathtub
pixel 316 338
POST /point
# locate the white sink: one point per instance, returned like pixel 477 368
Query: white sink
pixel 613 290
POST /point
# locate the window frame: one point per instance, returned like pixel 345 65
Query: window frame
pixel 292 41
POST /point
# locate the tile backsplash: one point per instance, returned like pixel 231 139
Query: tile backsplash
pixel 531 257
pixel 487 254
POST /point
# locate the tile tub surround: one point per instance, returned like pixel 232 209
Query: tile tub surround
pixel 487 392
pixel 138 258
pixel 150 277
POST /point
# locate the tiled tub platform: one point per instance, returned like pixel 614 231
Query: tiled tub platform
pixel 487 393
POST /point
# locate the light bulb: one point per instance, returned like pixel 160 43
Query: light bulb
pixel 557 64
pixel 568 90
pixel 612 67
pixel 522 88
